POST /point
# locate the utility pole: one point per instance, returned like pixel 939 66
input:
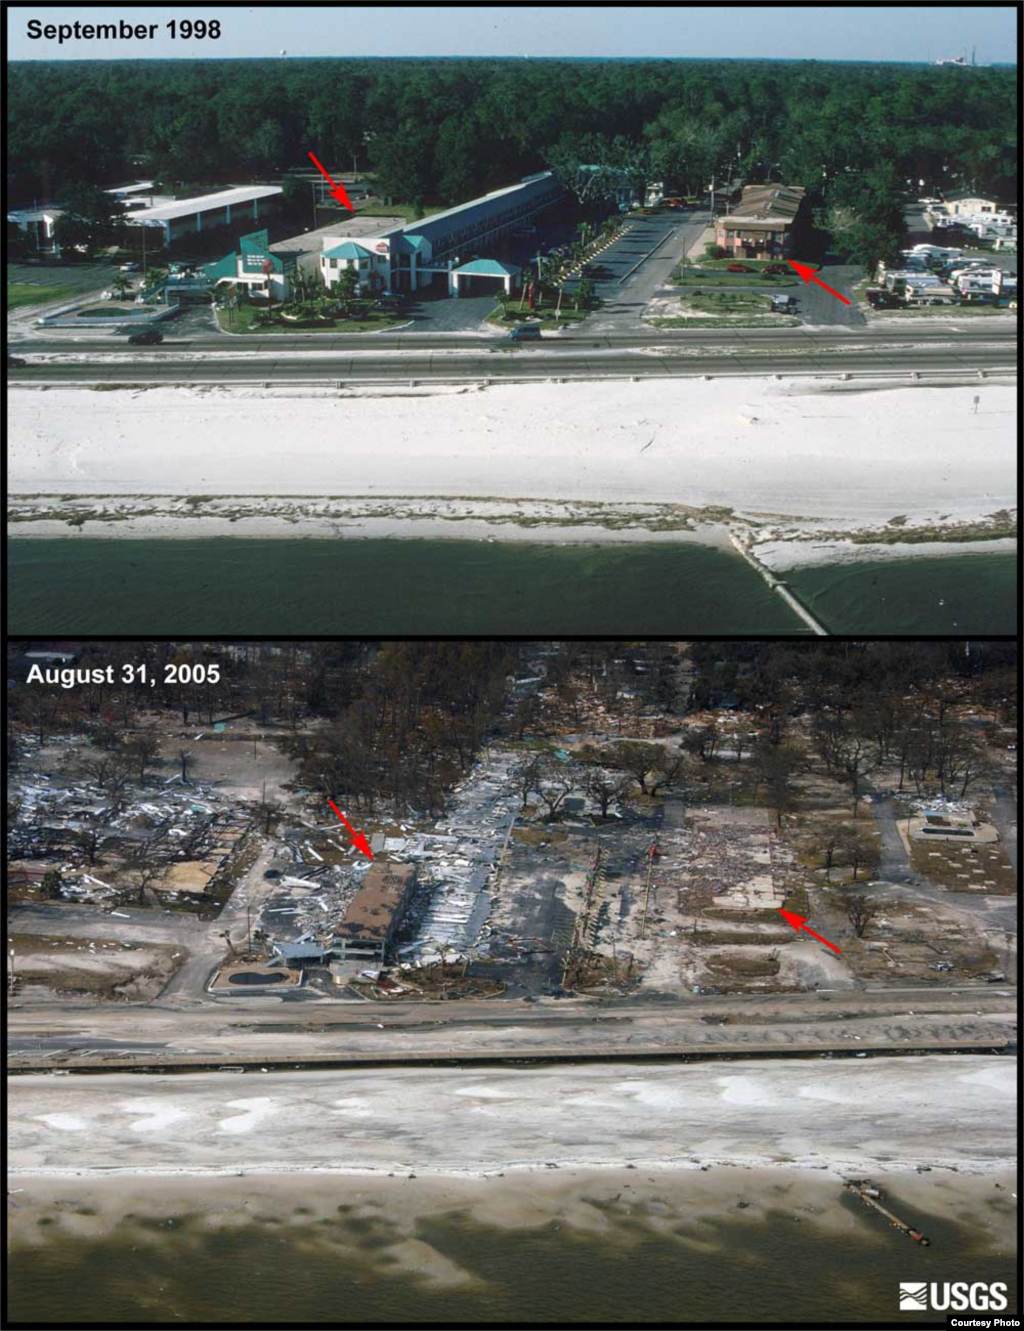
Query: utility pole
pixel 248 927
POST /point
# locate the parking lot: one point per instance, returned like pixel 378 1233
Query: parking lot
pixel 623 298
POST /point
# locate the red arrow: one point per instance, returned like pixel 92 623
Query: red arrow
pixel 339 193
pixel 358 840
pixel 808 275
pixel 800 922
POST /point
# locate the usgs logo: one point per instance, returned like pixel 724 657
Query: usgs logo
pixel 956 1296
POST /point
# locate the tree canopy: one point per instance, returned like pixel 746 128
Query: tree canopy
pixel 448 129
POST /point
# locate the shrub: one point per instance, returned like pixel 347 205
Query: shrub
pixel 714 252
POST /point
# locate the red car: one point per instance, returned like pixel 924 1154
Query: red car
pixel 739 268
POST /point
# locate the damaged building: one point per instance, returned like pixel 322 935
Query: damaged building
pixel 373 915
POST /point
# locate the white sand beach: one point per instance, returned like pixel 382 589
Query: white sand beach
pixel 784 461
pixel 877 1114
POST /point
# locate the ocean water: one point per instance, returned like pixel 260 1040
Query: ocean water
pixel 290 1267
pixel 377 587
pixel 967 594
pixel 314 587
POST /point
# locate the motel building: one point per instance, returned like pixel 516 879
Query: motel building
pixel 446 245
pixel 36 225
pixel 185 217
pixel 254 265
pixel 766 223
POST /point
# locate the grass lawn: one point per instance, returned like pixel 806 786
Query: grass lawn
pixel 28 293
pixel 726 302
pixel 541 314
pixel 725 321
pixel 941 311
pixel 689 275
pixel 244 321
pixel 758 264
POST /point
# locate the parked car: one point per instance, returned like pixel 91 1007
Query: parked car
pixel 14 361
pixel 775 269
pixel 130 268
pixel 783 304
pixel 524 333
pixel 145 337
pixel 739 268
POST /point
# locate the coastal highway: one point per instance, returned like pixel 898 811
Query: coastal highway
pixel 866 358
pixel 272 1031
pixel 990 331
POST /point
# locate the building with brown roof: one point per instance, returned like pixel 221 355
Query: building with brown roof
pixel 765 224
pixel 375 912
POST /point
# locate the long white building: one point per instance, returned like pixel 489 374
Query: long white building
pixel 183 217
pixel 411 256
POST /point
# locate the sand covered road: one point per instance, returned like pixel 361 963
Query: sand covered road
pixel 876 1114
pixel 845 460
pixel 254 1030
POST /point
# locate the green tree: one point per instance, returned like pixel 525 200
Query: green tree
pixel 345 288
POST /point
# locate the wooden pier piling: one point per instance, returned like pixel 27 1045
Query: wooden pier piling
pixel 863 1189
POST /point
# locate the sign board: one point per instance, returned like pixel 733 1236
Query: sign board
pixel 382 247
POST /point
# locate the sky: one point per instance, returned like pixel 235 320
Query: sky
pixel 827 32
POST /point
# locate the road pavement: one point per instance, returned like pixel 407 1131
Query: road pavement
pixel 994 331
pixel 960 360
pixel 625 280
pixel 269 1029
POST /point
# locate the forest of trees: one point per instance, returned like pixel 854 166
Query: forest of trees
pixel 446 130
pixel 375 723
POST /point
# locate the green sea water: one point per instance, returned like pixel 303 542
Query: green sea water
pixel 380 587
pixel 289 1268
pixel 315 587
pixel 971 595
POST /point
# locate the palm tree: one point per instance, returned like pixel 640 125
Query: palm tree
pixel 121 286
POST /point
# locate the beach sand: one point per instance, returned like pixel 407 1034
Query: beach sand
pixel 839 1115
pixel 608 460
